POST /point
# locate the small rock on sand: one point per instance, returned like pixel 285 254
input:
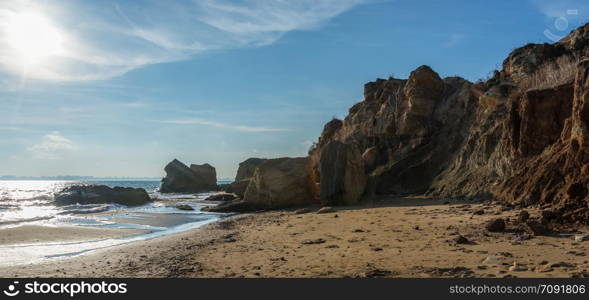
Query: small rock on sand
pixel 523 216
pixel 302 211
pixel 562 264
pixel 493 260
pixel 495 225
pixel 313 242
pixel 479 212
pixel 462 240
pixel 376 273
pixel 325 210
pixel 517 267
pixel 581 237
pixel 544 269
pixel 536 228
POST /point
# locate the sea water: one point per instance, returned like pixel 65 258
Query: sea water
pixel 31 202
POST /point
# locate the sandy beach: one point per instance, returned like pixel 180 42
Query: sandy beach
pixel 384 238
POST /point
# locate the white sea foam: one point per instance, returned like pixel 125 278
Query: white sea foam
pixel 31 202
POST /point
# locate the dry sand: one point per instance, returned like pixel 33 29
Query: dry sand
pixel 392 238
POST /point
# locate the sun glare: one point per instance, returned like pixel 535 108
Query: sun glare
pixel 33 37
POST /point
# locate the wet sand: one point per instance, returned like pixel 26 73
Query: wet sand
pixel 34 234
pixel 391 238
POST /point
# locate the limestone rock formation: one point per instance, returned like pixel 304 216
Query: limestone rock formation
pixel 247 167
pixel 244 173
pixel 343 178
pixel 98 194
pixel 182 179
pixel 408 130
pixel 280 182
pixel 238 187
pixel 520 136
pixel 207 173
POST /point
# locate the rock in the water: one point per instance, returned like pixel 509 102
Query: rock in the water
pixel 495 225
pixel 223 187
pixel 184 207
pixel 280 183
pixel 182 179
pixel 95 194
pixel 581 237
pixel 221 197
pixel 207 173
pixel 342 174
pixel 233 206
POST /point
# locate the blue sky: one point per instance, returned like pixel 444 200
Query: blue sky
pixel 119 88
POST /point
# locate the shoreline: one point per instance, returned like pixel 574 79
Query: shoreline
pixel 29 234
pixel 384 238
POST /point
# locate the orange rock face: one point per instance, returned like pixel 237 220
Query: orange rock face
pixel 520 136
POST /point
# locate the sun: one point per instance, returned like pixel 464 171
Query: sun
pixel 33 37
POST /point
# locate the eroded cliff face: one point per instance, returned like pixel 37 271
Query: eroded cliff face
pixel 520 136
pixel 407 130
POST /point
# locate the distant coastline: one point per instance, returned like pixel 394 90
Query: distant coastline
pixel 90 178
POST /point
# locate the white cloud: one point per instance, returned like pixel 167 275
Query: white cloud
pixel 98 40
pixel 453 40
pixel 52 146
pixel 242 128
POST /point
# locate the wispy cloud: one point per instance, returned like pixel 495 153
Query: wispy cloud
pixel 453 40
pixel 242 128
pixel 52 146
pixel 10 128
pixel 100 40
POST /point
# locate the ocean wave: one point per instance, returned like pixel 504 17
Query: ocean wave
pixel 79 209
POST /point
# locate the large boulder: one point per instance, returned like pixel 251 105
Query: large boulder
pixel 238 187
pixel 244 174
pixel 342 175
pixel 98 194
pixel 280 182
pixel 207 174
pixel 182 179
pixel 248 167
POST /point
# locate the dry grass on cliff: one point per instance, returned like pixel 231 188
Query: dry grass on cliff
pixel 551 74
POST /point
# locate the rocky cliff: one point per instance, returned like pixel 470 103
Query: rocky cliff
pixel 520 136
